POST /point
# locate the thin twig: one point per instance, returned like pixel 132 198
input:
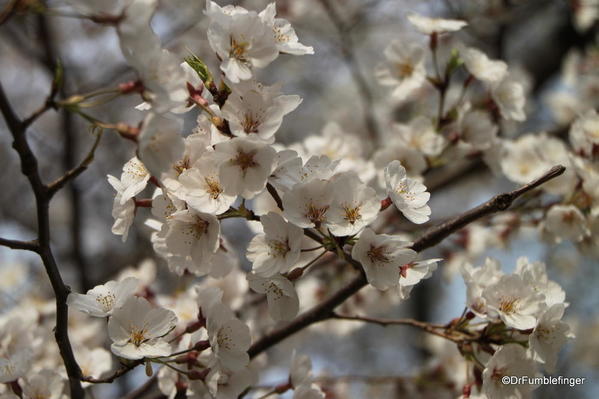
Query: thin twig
pixel 17 244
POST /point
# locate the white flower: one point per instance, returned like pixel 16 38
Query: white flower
pixel 412 273
pixel 201 188
pixel 301 369
pixel 44 384
pixel 307 204
pixel 103 300
pixel 403 69
pixel 108 7
pixel 282 299
pixel 192 238
pixel 244 166
pixel 136 330
pixel 354 205
pixel 229 338
pixel 408 195
pixel 509 360
pixel 514 301
pixel 134 179
pixel 308 391
pixel 160 144
pixel 584 134
pixel 285 37
pixel 549 335
pixel 477 279
pixel 94 362
pixel 410 158
pixel 566 222
pixel 382 257
pixel 478 130
pixel 287 172
pixel 241 40
pixel 123 213
pixel 16 349
pixel 483 68
pixel 534 274
pixel 255 109
pixel 278 249
pixel 421 135
pixel 509 96
pixel 428 26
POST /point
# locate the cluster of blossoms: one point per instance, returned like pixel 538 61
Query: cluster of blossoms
pixel 319 197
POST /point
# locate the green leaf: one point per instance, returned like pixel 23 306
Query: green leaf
pixel 200 67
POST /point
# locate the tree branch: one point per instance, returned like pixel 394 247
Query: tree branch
pixel 29 168
pixel 16 244
pixel 324 310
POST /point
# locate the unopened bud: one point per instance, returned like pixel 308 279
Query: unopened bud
pixel 149 370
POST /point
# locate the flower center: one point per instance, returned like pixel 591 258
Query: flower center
pixel 245 160
pixel 238 50
pixel 315 213
pixel 352 214
pixel 279 248
pixel 223 338
pixel 181 166
pixel 137 336
pixel 106 301
pixel 405 70
pixel 213 187
pixel 250 123
pixel 378 254
pixel 508 305
pixel 497 374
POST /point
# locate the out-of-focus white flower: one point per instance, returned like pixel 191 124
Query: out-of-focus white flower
pixel 244 166
pixel 586 12
pixel 509 96
pixel 16 351
pixel 548 336
pixel 408 195
pixel 201 188
pixel 285 37
pixel 94 362
pixel 308 391
pixel 160 144
pixel 514 301
pixel 307 204
pixel 282 299
pixel 45 384
pixel 136 330
pixel 483 68
pixel 108 7
pixel 403 69
pixel 354 205
pixel 382 257
pixel 253 109
pixel 584 134
pixel 566 222
pixel 534 274
pixel 428 26
pixel 477 130
pixel 411 159
pixel 510 360
pixel 278 249
pixel 421 135
pixel 103 300
pixel 241 40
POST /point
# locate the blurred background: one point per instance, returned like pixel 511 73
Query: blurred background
pixel 549 43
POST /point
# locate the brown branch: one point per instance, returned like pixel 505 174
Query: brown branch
pixel 23 245
pixel 435 329
pixel 348 52
pixel 118 373
pixel 324 310
pixel 29 168
pixel 71 174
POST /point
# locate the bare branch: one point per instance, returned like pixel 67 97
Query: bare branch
pixel 76 171
pixel 324 310
pixel 16 244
